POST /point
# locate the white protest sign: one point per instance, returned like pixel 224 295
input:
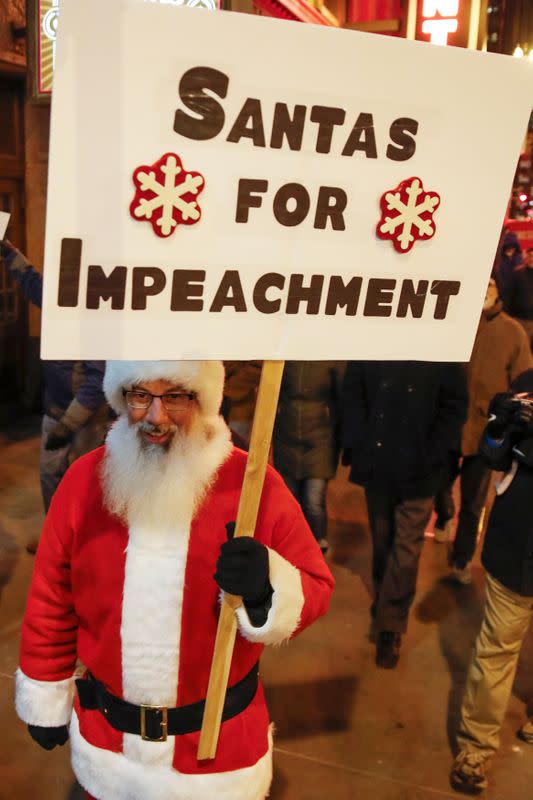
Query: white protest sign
pixel 225 186
pixel 4 222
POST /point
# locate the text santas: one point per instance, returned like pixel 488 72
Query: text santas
pixel 130 566
pixel 202 88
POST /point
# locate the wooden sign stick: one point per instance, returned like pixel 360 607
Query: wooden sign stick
pixel 265 412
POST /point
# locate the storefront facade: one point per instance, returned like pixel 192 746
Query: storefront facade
pixel 24 130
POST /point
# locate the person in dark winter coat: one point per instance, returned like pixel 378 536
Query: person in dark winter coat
pixel 399 422
pixel 501 353
pixel 520 295
pixel 507 445
pixel 76 415
pixel 306 440
pixel 508 258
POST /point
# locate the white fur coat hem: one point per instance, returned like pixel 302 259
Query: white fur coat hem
pixel 105 774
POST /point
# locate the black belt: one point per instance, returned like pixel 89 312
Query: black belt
pixel 155 723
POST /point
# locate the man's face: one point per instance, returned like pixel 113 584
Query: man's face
pixel 157 424
pixel 528 260
pixel 491 296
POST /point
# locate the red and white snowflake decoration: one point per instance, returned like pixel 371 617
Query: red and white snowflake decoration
pixel 166 195
pixel 412 214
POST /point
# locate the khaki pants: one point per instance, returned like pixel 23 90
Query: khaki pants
pixel 493 668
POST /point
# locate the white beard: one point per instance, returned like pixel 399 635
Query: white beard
pixel 154 487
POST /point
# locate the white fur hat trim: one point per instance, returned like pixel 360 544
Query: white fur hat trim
pixel 205 378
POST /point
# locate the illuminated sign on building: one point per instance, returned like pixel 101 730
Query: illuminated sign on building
pixel 440 18
pixel 46 43
pixel 444 22
pixel 46 21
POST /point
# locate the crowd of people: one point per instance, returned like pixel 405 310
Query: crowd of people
pixel 407 431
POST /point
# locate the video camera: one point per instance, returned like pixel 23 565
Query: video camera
pixel 511 415
pixel 522 400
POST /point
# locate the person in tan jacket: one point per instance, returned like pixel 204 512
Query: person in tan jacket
pixel 501 352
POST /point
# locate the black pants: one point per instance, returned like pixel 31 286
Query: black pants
pixel 398 528
pixel 475 482
pixel 444 505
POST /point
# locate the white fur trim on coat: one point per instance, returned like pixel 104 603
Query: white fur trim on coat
pixel 45 703
pixel 287 603
pixel 151 628
pixel 106 775
pixel 206 378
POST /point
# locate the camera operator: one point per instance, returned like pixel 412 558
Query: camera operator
pixel 507 445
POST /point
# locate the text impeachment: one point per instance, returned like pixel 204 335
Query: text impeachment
pixel 192 290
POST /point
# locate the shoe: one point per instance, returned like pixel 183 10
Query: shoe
pixel 468 773
pixel 462 575
pixel 526 732
pixel 388 649
pixel 443 533
pixel 324 545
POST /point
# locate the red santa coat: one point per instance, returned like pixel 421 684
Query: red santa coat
pixel 140 610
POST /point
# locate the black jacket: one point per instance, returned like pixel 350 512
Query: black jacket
pixel 508 548
pixel 306 440
pixel 400 420
pixel 520 293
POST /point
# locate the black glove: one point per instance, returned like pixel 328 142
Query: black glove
pixel 242 569
pixel 49 737
pixel 501 411
pixel 58 437
pixel 346 459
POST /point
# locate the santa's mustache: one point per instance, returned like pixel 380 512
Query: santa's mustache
pixel 156 430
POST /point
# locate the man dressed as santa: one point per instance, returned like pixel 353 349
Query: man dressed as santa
pixel 128 575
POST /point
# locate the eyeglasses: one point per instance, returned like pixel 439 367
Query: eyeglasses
pixel 172 401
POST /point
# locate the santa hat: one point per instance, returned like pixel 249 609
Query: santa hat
pixel 204 378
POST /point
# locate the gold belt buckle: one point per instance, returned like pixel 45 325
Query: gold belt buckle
pixel 163 723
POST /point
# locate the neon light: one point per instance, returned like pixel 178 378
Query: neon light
pixel 446 8
pixel 438 29
pixel 441 19
pixel 49 27
pixel 46 45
